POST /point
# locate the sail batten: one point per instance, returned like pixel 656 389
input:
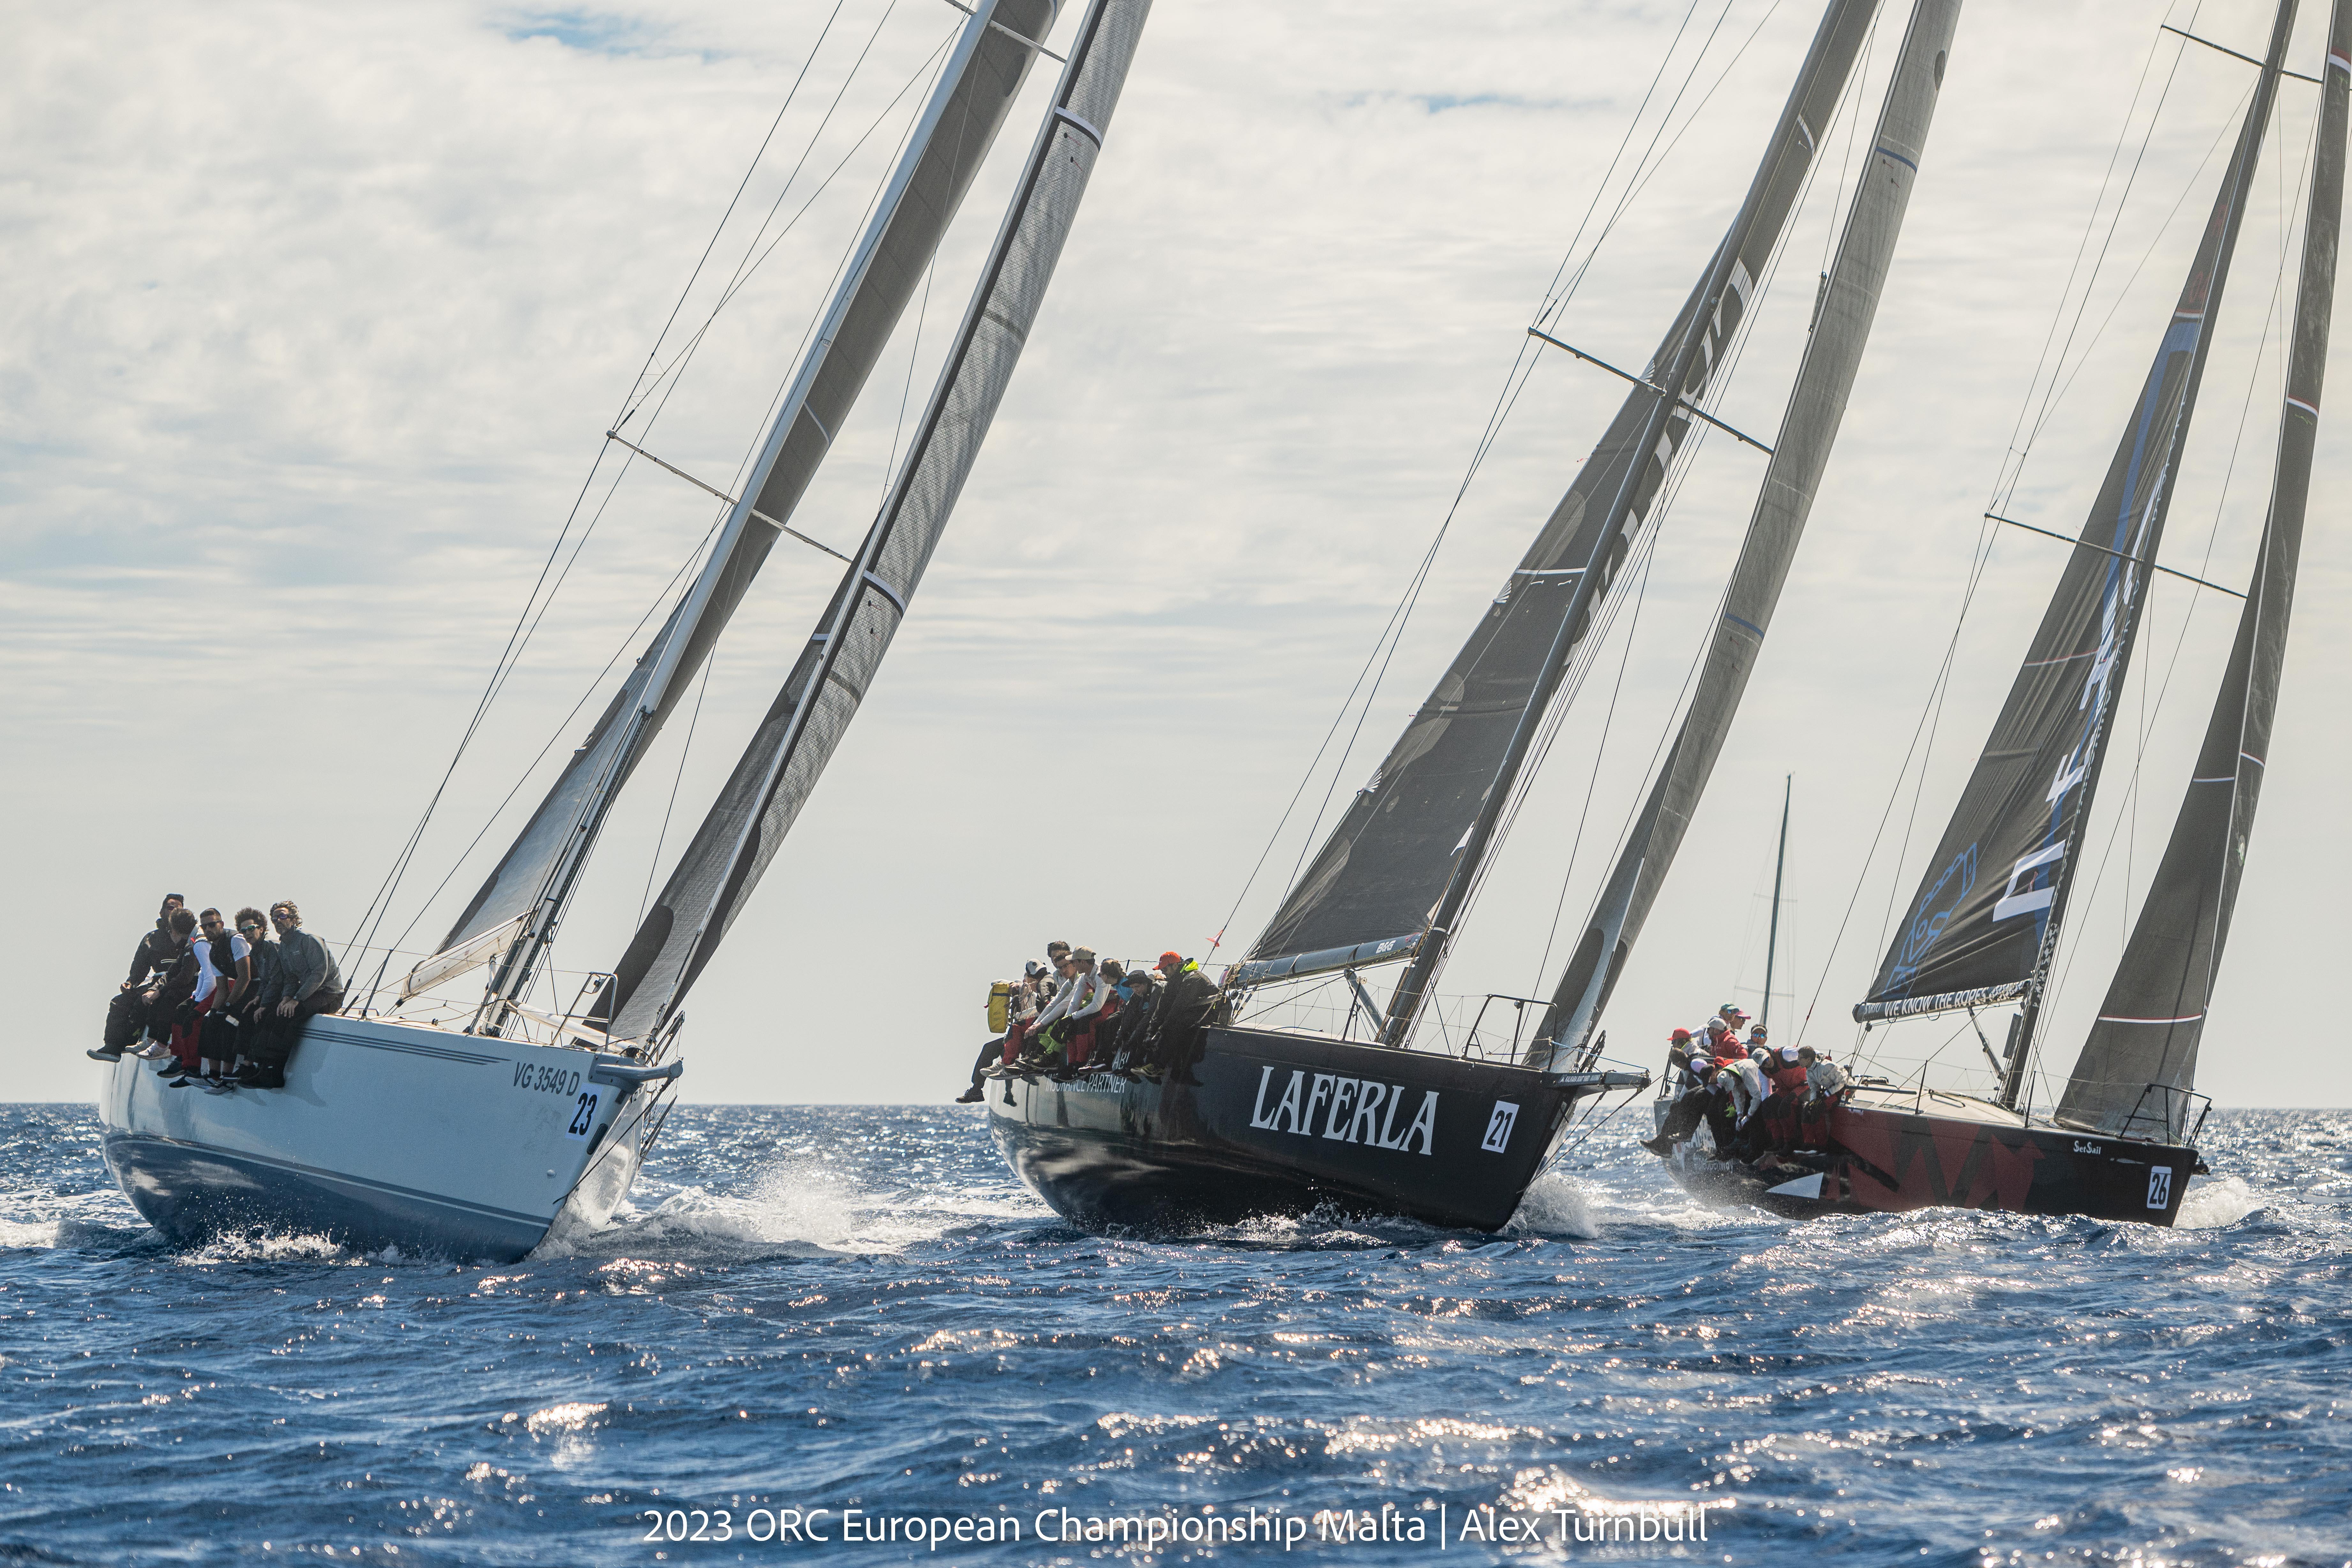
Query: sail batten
pixel 746 826
pixel 1988 907
pixel 1842 319
pixel 959 124
pixel 2140 1061
pixel 1408 845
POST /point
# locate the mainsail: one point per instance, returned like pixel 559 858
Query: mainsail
pixel 1979 931
pixel 960 121
pixel 748 823
pixel 1849 303
pixel 1374 890
pixel 2137 1068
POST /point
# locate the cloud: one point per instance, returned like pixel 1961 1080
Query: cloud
pixel 317 317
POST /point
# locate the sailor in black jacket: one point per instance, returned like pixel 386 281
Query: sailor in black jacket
pixel 126 1012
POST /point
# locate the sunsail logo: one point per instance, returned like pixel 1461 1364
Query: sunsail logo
pixel 1353 1111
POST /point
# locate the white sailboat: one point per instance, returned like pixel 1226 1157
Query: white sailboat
pixel 474 1134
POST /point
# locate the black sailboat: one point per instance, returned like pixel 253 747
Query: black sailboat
pixel 1982 930
pixel 1262 1120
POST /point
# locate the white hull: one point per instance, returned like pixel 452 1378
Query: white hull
pixel 386 1135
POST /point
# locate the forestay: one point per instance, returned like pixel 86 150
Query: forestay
pixel 1978 932
pixel 830 679
pixel 2137 1068
pixel 1371 893
pixel 1848 305
pixel 959 124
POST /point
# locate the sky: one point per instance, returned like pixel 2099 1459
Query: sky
pixel 318 315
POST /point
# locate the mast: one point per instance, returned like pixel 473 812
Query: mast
pixel 779 769
pixel 2139 1060
pixel 1984 926
pixel 515 915
pixel 1779 869
pixel 1844 315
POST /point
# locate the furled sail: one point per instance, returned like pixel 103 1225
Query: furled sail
pixel 960 121
pixel 1372 892
pixel 1978 931
pixel 794 741
pixel 2137 1068
pixel 1817 403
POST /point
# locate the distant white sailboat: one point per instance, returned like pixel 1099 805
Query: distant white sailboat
pixel 475 1135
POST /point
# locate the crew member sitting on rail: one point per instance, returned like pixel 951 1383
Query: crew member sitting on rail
pixel 230 958
pixel 1022 1045
pixel 188 1037
pixel 1826 1084
pixel 166 1000
pixel 1775 1127
pixel 1131 1043
pixel 1723 1041
pixel 1705 1093
pixel 1090 1019
pixel 1073 1008
pixel 1749 1090
pixel 308 984
pixel 126 1010
pixel 1685 1052
pixel 1187 1005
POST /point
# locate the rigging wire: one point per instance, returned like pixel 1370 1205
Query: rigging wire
pixel 370 920
pixel 2271 323
pixel 653 863
pixel 1523 361
pixel 536 608
pixel 743 185
pixel 749 263
pixel 2009 471
pixel 1644 163
pixel 1849 104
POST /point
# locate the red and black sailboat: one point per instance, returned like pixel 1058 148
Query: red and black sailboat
pixel 1982 930
pixel 1269 1120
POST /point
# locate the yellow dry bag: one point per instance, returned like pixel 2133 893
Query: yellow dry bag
pixel 1000 1006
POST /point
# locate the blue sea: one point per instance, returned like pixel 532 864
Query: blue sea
pixel 848 1335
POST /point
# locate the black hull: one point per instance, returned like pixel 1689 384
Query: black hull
pixel 1886 1155
pixel 1278 1123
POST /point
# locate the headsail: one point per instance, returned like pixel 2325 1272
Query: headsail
pixel 1372 893
pixel 748 823
pixel 959 124
pixel 1978 932
pixel 2137 1068
pixel 1817 403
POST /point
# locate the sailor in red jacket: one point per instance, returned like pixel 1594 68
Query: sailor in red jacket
pixel 1787 1073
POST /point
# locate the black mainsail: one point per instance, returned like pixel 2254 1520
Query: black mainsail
pixel 529 885
pixel 1981 928
pixel 1848 306
pixel 1385 884
pixel 747 823
pixel 2137 1065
